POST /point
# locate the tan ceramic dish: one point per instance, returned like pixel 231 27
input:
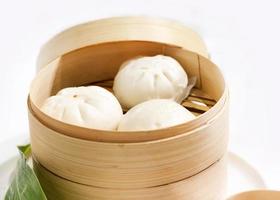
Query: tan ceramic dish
pixel 257 195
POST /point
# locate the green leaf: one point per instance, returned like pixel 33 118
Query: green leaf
pixel 24 185
pixel 25 149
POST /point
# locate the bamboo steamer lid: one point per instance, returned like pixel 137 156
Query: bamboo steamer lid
pixel 121 29
pixel 79 56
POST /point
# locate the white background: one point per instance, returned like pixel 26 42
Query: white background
pixel 242 37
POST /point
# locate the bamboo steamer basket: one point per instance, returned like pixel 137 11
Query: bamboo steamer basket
pixel 208 185
pixel 91 53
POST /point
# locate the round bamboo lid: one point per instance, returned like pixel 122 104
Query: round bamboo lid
pixel 121 29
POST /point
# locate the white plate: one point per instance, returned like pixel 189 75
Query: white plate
pixel 241 175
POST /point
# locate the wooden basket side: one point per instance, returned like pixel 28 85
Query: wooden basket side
pixel 212 80
pixel 125 165
pixel 207 185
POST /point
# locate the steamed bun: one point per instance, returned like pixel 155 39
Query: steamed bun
pixel 154 114
pixel 145 78
pixel 91 107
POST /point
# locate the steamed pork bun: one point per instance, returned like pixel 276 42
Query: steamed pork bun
pixel 145 78
pixel 154 114
pixel 91 107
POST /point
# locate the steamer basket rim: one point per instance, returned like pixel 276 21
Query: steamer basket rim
pixel 224 96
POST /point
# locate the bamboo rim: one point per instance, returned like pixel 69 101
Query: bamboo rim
pixel 123 136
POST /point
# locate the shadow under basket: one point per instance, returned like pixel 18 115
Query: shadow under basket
pixel 109 161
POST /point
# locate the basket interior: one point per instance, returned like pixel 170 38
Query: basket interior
pixel 98 65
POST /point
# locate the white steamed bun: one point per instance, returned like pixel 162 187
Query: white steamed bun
pixel 145 78
pixel 91 107
pixel 154 114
